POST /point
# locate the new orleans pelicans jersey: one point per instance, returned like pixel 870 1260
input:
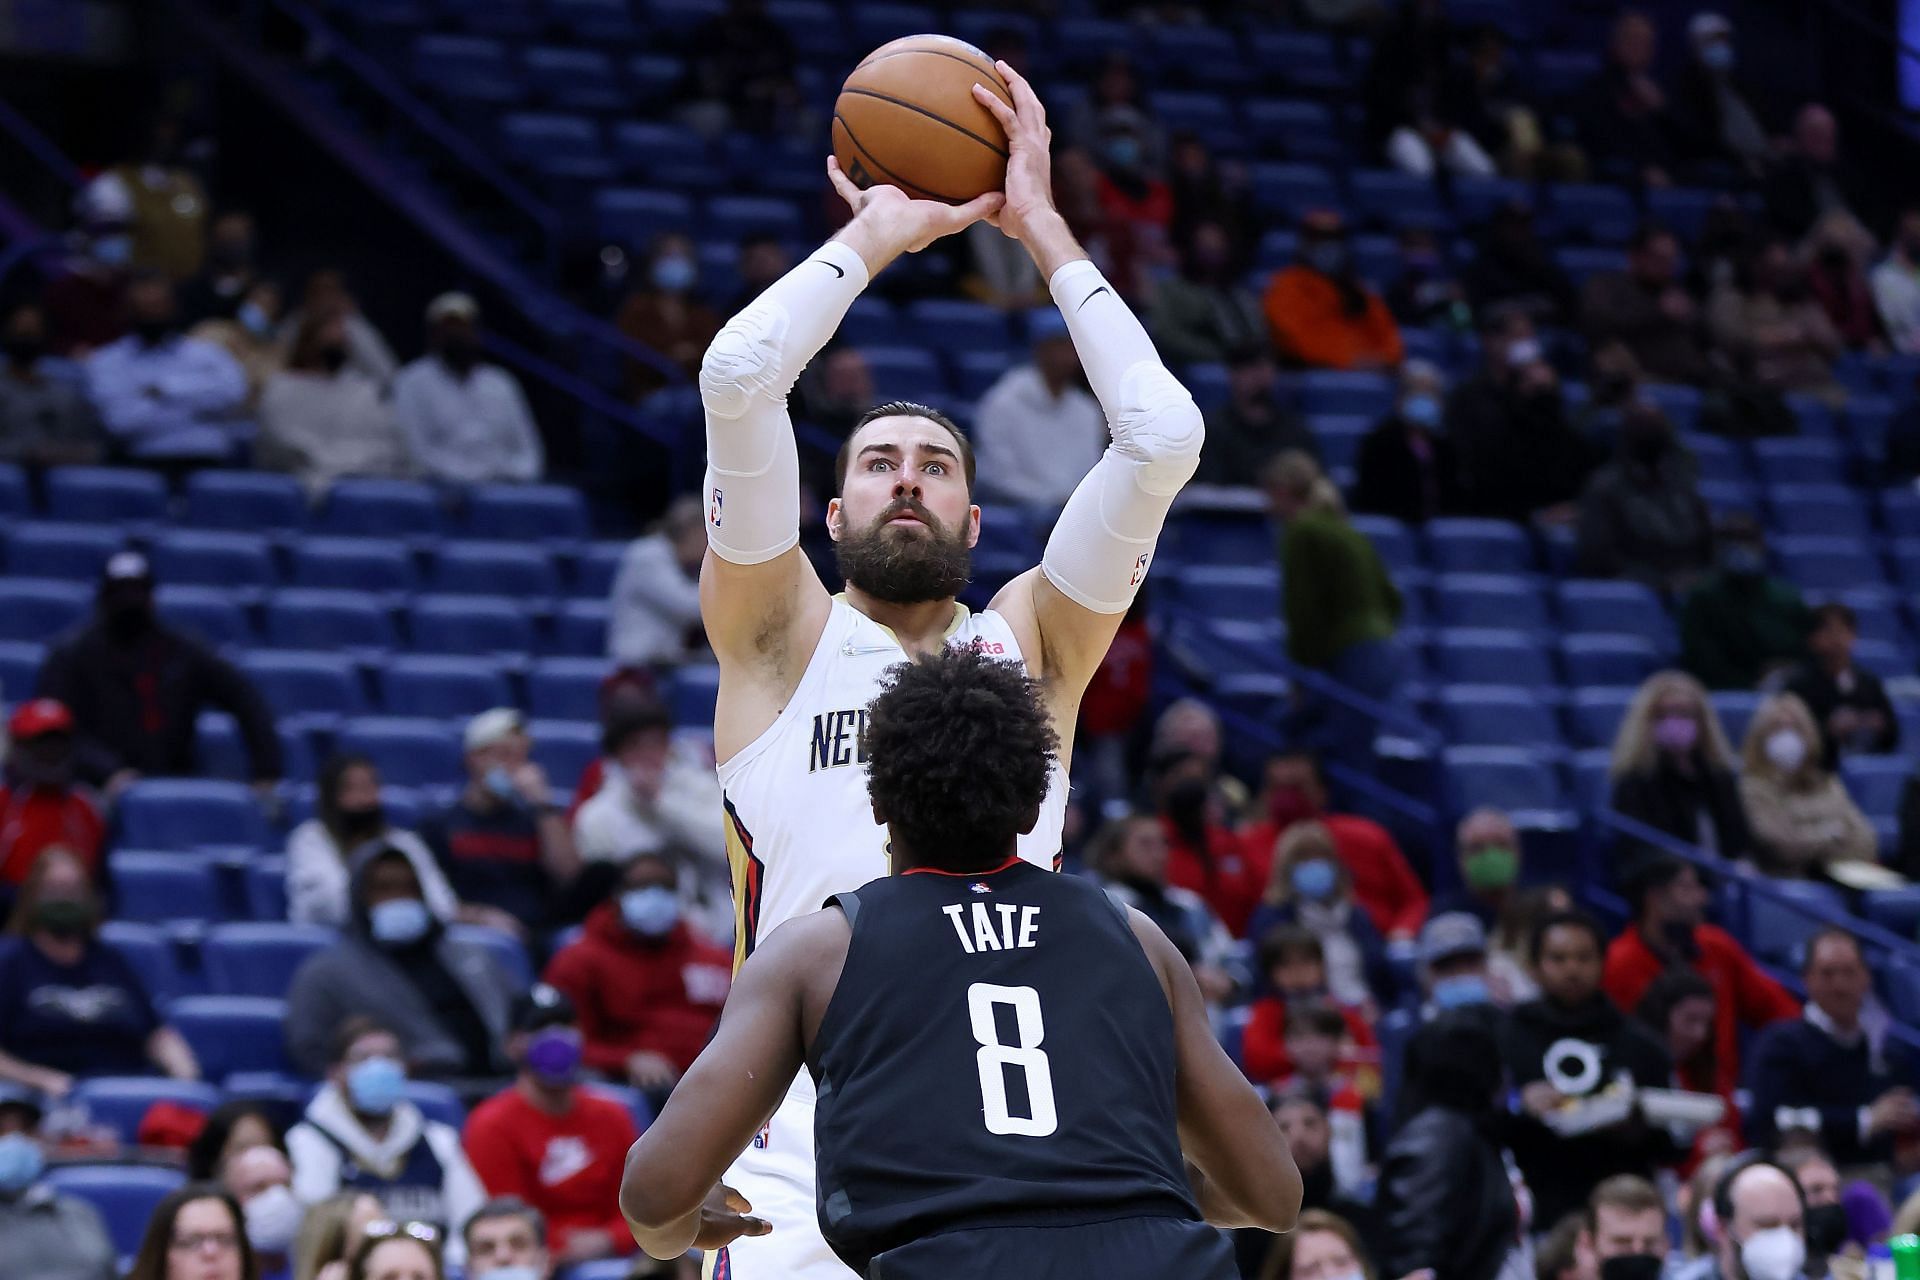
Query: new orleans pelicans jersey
pixel 800 829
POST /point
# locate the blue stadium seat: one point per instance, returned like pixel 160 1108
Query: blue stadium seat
pixel 1208 114
pixel 173 885
pixel 1228 591
pixel 1302 130
pixel 1717 459
pixel 1830 564
pixel 1493 716
pixel 653 78
pixel 19 669
pixel 186 813
pixel 564 688
pixel 1594 714
pixel 1799 460
pixel 906 373
pixel 1476 655
pixel 373 508
pixel 213 558
pixel 1510 778
pixel 601 21
pixel 150 951
pixel 265 884
pixel 125 1195
pixel 1286 191
pixel 1582 261
pixel 1617 608
pixel 596 568
pixel 1818 510
pixel 1680 403
pixel 1605 659
pixel 105 495
pixel 436 685
pixel 738 217
pixel 1726 497
pixel 643 145
pixel 1775 926
pixel 1876 783
pixel 487 568
pixel 513 19
pixel 814 26
pixel 469 68
pixel 233 1033
pixel 1195 48
pixel 1489 600
pixel 1338 391
pixel 1308 61
pixel 691 693
pixel 1393 541
pixel 61 552
pixel 295 682
pixel 1339 436
pixel 1597 212
pixel 39 611
pixel 1477 199
pixel 120 1102
pixel 1735 708
pixel 470 624
pixel 248 501
pixel 577 79
pixel 633 217
pixel 1465 545
pixel 580 629
pixel 300 618
pixel 15 500
pixel 1219 538
pixel 525 512
pixel 408 753
pixel 1389 198
pixel 507 951
pixel 259 959
pixel 564 748
pixel 1682 208
pixel 953 325
pixel 352 564
pixel 1897 910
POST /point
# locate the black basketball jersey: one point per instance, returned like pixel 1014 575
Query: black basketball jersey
pixel 998 1052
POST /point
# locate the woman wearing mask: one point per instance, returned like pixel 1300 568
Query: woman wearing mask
pixel 70 1004
pixel 398 1251
pixel 347 815
pixel 331 1233
pixel 1802 818
pixel 321 419
pixel 250 336
pixel 195 1233
pixel 1670 768
pixel 1407 468
pixel 1309 886
pixel 1321 1246
pixel 666 315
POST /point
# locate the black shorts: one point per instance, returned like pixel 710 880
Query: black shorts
pixel 1123 1249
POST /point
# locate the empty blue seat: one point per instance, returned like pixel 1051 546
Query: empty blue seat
pixel 1779 922
pixel 1336 391
pixel 19 668
pixel 595 569
pixel 39 611
pixel 1392 540
pixel 1818 510
pixel 471 68
pixel 1286 191
pixel 1680 403
pixel 566 688
pixel 1308 61
pixel 352 564
pixel 1493 716
pixel 120 1102
pixel 295 682
pixel 1832 564
pixel 1290 128
pixel 1465 545
pixel 1900 512
pixel 1476 655
pixel 906 373
pixel 435 685
pixel 525 512
pixel 185 813
pixel 125 1195
pixel 954 325
pixel 147 948
pixel 1228 591
pixel 1509 778
pixel 1799 460
pixel 814 25
pixel 265 881
pixel 607 21
pixel 740 216
pixel 233 1033
pixel 642 144
pixel 486 568
pixel 1603 659
pixel 1389 198
pixel 1682 208
pixel 1876 783
pixel 213 558
pixel 691 694
pixel 1581 261
pixel 1897 910
pixel 374 508
pixel 303 618
pixel 1620 608
pixel 1598 212
pixel 105 495
pixel 1476 199
pixel 15 500
pixel 507 951
pixel 633 217
pixel 408 753
pixel 259 959
pixel 174 885
pixel 1489 600
pixel 1195 111
pixel 1594 714
pixel 579 78
pixel 1718 459
pixel 580 628
pixel 470 624
pixel 249 501
pixel 64 552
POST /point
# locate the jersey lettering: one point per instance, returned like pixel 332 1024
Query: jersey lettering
pixel 839 739
pixel 1016 929
pixel 996 1058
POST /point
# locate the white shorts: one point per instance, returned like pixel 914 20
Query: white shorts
pixel 775 1174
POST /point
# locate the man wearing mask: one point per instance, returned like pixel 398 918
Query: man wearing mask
pixel 1321 314
pixel 1487 848
pixel 1038 429
pixel 507 1240
pixel 87 302
pixel 136 687
pixel 1828 1229
pixel 667 316
pixel 1623 1234
pixel 159 393
pixel 1712 109
pixel 1641 516
pixel 1648 309
pixel 217 292
pixel 361 1133
pixel 466 421
pixel 1252 426
pixel 48 1236
pixel 43 420
pixel 1453 967
pixel 1408 467
pixel 1136 205
pixel 1518 452
pixel 261 1180
pixel 549 1143
pixel 1762 1216
pixel 41 805
pixel 1896 286
pixel 1741 623
pixel 1204 856
pixel 647 986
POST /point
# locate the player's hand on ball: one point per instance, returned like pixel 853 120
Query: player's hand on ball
pixel 1029 163
pixel 903 224
pixel 723 1219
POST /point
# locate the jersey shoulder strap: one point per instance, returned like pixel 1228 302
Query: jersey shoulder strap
pixel 849 904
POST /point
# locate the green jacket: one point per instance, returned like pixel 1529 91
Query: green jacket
pixel 1335 593
pixel 1732 630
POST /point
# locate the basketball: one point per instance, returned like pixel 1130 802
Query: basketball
pixel 906 117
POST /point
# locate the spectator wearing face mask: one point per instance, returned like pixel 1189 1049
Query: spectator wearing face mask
pixel 549 1143
pixel 1408 467
pixel 49 1235
pixel 1518 452
pixel 1623 1231
pixel 1896 285
pixel 229 273
pixel 665 314
pixel 1135 204
pixel 43 419
pixel 1762 1214
pixel 1129 858
pixel 1453 969
pixel 1803 821
pixel 159 393
pixel 1487 851
pixel 465 421
pixel 1849 703
pixel 348 814
pixel 647 986
pixel 247 332
pixel 1321 314
pixel 1648 309
pixel 444 997
pixel 1741 624
pixel 1712 110
pixel 1770 324
pixel 86 301
pixel 1426 293
pixel 321 419
pixel 1293 969
pixel 1641 515
pixel 260 1180
pixel 1203 854
pixel 368 353
pixel 361 1133
pixel 1839 1224
pixel 507 1240
pixel 1204 315
pixel 1252 426
pixel 42 807
pixel 1672 768
pixel 1311 888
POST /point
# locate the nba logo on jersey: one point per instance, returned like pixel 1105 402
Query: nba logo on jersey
pixel 1139 566
pixel 713 508
pixel 762 1139
pixel 977 887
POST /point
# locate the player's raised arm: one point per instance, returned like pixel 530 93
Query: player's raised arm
pixel 1099 551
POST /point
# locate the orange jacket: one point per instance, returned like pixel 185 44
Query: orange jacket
pixel 1310 326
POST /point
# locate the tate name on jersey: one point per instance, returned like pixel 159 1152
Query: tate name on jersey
pixel 979 930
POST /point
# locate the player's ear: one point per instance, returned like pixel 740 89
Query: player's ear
pixel 973 526
pixel 835 520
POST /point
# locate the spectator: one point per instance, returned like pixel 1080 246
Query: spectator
pixel 1453 968
pixel 1406 75
pixel 1741 624
pixel 136 688
pixel 235 1126
pixel 71 1005
pixel 1828 1222
pixel 1681 1010
pixel 1761 1212
pixel 1613 387
pixel 655 622
pixel 1252 426
pixel 1137 207
pixel 261 1181
pixel 1203 855
pixel 1668 930
pixel 507 1239
pixel 1641 514
pixel 1293 969
pixel 50 1236
pixel 1129 857
pixel 1519 455
pixel 1803 821
pixel 229 274
pixel 168 205
pixel 659 796
pixel 1771 325
pixel 1512 271
pixel 445 998
pixel 1672 768
pixel 843 392
pixel 647 987
pixel 1208 192
pixel 741 71
pixel 1485 99
pixel 505 842
pixel 1323 1245
pixel 1625 122
pixel 1408 468
pixel 1000 272
pixel 552 1146
pixel 1295 790
pixel 347 815
pixel 1113 710
pixel 763 259
pixel 1711 106
pixel 1896 285
pixel 1204 314
pixel 1849 704
pixel 400 1251
pixel 1509 969
pixel 1647 309
pixel 1808 182
pixel 1116 99
pixel 367 351
pixel 86 302
pixel 1624 1218
pixel 1487 849
pixel 330 1233
pixel 1038 429
pixel 44 420
pixel 1836 253
pixel 42 807
pixel 1427 293
pixel 249 335
pixel 1321 314
pixel 666 314
pixel 1445 1204
pixel 1322 1156
pixel 321 419
pixel 362 1133
pixel 195 1233
pixel 154 386
pixel 1570 1047
pixel 465 421
pixel 1190 726
pixel 1311 888
pixel 1432 131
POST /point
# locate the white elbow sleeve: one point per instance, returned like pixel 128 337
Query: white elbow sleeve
pixel 1158 425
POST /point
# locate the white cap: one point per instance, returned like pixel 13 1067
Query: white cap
pixel 1707 26
pixel 449 305
pixel 493 726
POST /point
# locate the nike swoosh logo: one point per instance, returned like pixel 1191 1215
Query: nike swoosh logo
pixel 1090 297
pixel 837 268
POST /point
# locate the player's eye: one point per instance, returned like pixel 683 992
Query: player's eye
pixel 937 468
pixel 879 464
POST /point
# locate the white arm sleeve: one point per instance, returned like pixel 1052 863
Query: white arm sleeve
pixel 753 465
pixel 1101 547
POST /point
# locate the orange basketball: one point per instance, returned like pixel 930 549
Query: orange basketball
pixel 906 117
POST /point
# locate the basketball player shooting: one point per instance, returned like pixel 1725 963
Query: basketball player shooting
pixel 798 667
pixel 1021 1107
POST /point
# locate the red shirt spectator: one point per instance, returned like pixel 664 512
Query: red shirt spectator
pixel 1121 686
pixel 1263 1046
pixel 41 807
pixel 1202 855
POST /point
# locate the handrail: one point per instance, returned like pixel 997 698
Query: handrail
pixel 38 145
pixel 571 384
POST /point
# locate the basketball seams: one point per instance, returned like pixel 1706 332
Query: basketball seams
pixel 922 111
pixel 990 77
pixel 896 179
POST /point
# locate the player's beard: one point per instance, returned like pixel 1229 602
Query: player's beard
pixel 901 565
